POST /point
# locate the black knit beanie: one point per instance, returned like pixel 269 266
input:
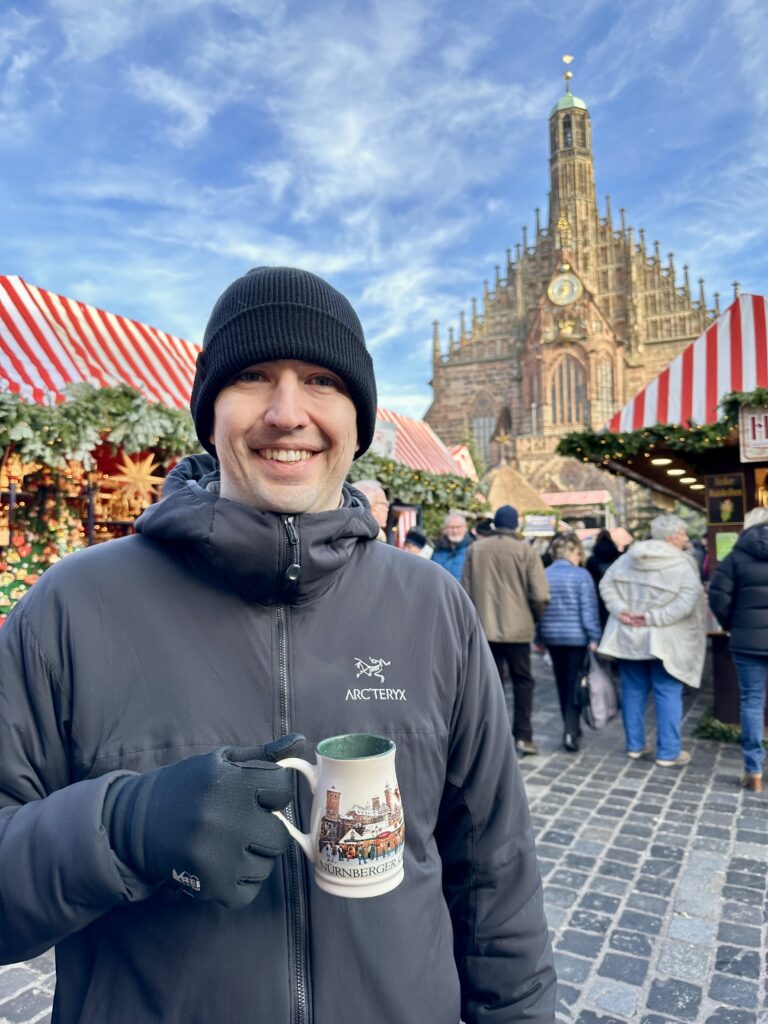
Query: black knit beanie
pixel 283 313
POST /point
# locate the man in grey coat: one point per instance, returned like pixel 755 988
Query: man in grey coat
pixel 151 686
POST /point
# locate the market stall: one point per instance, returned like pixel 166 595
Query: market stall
pixel 698 433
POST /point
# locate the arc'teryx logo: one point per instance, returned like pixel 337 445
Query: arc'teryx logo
pixel 184 878
pixel 373 668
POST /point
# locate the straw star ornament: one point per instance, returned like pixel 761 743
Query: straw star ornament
pixel 136 479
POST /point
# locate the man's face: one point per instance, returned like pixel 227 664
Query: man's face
pixel 379 508
pixel 285 433
pixel 455 529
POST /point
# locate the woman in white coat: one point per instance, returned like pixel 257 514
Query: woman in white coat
pixel 657 630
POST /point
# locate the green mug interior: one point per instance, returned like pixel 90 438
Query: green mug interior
pixel 354 745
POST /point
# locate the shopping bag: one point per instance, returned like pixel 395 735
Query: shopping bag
pixel 603 704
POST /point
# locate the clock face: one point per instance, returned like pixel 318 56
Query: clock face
pixel 564 289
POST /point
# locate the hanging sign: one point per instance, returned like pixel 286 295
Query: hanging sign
pixel 753 434
pixel 725 498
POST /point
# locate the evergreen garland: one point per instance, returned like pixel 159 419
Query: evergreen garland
pixel 602 447
pixel 437 494
pixel 71 430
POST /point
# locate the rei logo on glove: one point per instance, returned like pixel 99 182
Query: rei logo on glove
pixel 188 881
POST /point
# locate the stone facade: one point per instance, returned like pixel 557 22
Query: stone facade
pixel 581 319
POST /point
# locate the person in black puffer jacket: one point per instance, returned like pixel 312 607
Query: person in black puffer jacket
pixel 738 595
pixel 604 554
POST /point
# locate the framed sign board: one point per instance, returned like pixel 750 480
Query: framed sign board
pixel 725 498
pixel 753 434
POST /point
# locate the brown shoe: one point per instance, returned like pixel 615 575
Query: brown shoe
pixel 752 781
pixel 526 747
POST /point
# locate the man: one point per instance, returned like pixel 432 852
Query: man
pixel 138 677
pixel 505 579
pixel 377 499
pixel 452 544
pixel 657 630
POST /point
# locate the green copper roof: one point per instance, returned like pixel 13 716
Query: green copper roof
pixel 568 102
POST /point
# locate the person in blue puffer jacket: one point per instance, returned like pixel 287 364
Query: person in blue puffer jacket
pixel 569 627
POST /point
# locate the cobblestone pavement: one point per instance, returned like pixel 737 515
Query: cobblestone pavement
pixel 655 882
pixel 655 878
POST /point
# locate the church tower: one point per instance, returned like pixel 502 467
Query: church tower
pixel 581 316
pixel 573 213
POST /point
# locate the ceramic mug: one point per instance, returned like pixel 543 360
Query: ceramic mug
pixel 356 836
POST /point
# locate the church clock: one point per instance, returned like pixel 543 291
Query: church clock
pixel 564 289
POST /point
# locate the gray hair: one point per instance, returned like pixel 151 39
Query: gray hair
pixel 666 525
pixel 455 515
pixel 755 517
pixel 565 544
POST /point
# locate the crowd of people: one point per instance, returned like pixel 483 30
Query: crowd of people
pixel 642 611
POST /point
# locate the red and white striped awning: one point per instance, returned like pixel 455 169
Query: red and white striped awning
pixel 48 341
pixel 731 355
pixel 418 446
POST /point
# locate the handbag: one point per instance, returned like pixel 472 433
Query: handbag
pixel 581 695
pixel 602 704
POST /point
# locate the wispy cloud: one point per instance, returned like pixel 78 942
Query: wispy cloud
pixel 191 107
pixel 20 55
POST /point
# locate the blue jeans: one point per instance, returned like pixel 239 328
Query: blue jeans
pixel 638 678
pixel 752 672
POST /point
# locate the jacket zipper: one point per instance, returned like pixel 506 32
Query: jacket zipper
pixel 296 879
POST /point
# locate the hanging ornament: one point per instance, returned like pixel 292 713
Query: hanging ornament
pixel 137 480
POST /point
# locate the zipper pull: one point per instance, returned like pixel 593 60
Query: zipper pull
pixel 293 572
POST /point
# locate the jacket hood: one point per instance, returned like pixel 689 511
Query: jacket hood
pixel 754 541
pixel 654 555
pixel 247 549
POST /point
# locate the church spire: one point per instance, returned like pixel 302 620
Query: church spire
pixel 571 167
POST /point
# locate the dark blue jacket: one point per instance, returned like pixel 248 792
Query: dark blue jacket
pixel 451 556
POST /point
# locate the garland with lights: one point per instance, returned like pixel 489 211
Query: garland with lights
pixel 602 447
pixel 437 494
pixel 73 429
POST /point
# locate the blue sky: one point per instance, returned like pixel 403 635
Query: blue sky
pixel 153 150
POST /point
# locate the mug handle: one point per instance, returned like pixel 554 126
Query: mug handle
pixel 310 772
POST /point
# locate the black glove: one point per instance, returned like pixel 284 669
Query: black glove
pixel 205 822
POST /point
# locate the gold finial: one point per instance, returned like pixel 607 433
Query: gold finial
pixel 568 59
